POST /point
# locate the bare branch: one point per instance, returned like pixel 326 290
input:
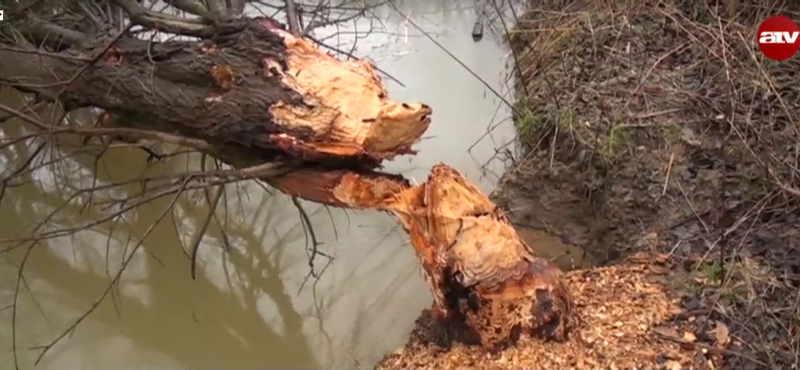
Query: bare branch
pixel 332 21
pixel 96 57
pixel 117 276
pixel 291 16
pixel 14 304
pixel 237 6
pixel 129 132
pixel 219 11
pixel 201 231
pixel 92 16
pixel 156 20
pixel 44 53
pixel 53 34
pixel 191 6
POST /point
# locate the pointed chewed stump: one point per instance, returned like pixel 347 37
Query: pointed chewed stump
pixel 488 286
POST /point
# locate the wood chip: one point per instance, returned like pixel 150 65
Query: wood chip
pixel 603 296
pixel 673 365
pixel 722 334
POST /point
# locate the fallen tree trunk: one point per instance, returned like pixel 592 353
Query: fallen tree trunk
pixel 258 94
pixel 249 84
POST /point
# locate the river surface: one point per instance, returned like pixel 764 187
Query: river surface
pixel 246 307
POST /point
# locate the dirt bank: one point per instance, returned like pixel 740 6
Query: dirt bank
pixel 656 128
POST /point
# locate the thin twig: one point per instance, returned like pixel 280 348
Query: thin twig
pixel 116 279
pixel 669 169
pixel 14 304
pixel 444 49
pixel 291 16
pixel 198 235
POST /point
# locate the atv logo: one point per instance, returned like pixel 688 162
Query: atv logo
pixel 778 38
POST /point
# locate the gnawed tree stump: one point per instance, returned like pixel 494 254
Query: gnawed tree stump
pixel 257 94
pixel 488 286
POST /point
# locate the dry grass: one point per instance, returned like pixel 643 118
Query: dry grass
pixel 665 119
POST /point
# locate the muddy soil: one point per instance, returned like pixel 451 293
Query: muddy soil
pixel 639 136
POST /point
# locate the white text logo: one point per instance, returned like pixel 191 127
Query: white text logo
pixel 778 37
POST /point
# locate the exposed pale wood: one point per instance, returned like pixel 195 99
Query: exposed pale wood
pixel 257 94
pixel 487 284
pixel 252 85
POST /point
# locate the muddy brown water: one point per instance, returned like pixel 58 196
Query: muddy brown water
pixel 246 308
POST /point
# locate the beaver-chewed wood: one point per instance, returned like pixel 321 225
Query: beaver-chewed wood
pixel 250 83
pixel 486 282
pixel 261 94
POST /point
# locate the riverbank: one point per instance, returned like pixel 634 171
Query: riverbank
pixel 658 129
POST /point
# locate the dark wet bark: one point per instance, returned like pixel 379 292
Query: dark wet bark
pixel 166 86
pixel 222 89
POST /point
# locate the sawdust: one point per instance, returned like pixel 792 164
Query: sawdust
pixel 630 319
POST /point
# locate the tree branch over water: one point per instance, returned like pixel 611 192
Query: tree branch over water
pixel 271 104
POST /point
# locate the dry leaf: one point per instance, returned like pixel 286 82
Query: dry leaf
pixel 689 336
pixel 722 334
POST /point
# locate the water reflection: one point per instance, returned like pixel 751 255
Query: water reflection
pixel 246 308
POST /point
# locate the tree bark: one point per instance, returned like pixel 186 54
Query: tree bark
pixel 259 94
pixel 249 84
